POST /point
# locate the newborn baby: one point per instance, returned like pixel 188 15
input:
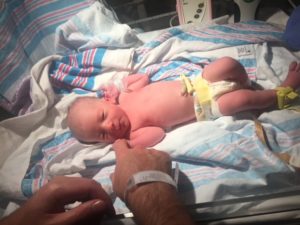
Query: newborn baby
pixel 142 112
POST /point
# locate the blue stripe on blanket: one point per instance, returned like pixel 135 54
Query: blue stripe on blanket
pixel 57 140
pixel 171 70
pixel 212 39
pixel 77 70
pixel 267 30
pixel 26 187
pixel 152 44
pixel 248 62
pixel 239 37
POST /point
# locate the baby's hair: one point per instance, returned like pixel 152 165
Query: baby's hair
pixel 76 103
pixel 79 100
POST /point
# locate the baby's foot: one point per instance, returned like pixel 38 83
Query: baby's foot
pixel 293 77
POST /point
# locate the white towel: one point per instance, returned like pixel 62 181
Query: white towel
pixel 94 27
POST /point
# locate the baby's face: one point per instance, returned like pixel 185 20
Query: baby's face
pixel 102 122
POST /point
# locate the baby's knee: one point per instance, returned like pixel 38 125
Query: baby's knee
pixel 225 68
pixel 230 63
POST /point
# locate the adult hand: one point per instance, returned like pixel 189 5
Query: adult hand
pixel 154 203
pixel 47 206
pixel 132 160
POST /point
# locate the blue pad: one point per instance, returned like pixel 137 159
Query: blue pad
pixel 292 31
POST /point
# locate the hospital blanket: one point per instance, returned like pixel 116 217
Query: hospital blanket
pixel 163 58
pixel 219 159
pixel 27 31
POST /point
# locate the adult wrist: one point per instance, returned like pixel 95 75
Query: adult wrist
pixel 147 177
pixel 150 194
pixel 157 203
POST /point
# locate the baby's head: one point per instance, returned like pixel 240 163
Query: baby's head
pixel 91 120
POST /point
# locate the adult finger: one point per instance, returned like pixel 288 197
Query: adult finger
pixel 86 211
pixel 120 147
pixel 65 190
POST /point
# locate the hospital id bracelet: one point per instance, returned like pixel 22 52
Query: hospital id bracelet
pixel 148 176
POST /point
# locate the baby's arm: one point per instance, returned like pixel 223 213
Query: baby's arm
pixel 146 136
pixel 135 81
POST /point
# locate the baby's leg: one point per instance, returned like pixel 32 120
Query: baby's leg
pixel 225 68
pixel 243 100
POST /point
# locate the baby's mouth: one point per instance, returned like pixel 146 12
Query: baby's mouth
pixel 122 129
pixel 118 129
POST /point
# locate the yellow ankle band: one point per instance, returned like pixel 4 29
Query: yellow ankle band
pixel 285 95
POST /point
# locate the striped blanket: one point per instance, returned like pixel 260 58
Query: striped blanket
pixel 27 31
pixel 220 159
pixel 163 58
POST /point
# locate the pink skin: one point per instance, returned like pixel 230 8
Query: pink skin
pixel 146 110
pixel 96 120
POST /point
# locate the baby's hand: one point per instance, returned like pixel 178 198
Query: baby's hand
pixel 111 93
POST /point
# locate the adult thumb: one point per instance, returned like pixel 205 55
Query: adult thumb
pixel 84 212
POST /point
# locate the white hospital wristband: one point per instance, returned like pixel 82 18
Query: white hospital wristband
pixel 148 176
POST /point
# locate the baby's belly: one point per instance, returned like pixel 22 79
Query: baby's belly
pixel 170 120
pixel 160 104
pixel 172 112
